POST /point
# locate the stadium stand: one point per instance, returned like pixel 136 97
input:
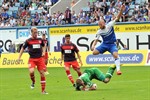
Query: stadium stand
pixel 14 13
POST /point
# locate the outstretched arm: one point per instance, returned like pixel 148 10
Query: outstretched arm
pixel 120 13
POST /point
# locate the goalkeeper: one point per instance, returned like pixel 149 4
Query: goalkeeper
pixel 84 81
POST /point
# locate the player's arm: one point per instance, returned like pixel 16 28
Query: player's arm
pixel 94 44
pixel 62 56
pixel 48 47
pixel 43 48
pixel 79 57
pixel 120 13
pixel 20 54
pixel 96 40
pixel 22 49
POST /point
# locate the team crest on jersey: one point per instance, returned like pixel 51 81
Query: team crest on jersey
pixel 40 41
pixel 71 47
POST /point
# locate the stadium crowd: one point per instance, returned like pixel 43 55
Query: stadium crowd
pixel 15 13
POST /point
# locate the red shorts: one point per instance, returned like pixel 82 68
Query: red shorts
pixel 39 62
pixel 46 55
pixel 74 64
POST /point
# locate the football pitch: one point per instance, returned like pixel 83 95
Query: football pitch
pixel 133 84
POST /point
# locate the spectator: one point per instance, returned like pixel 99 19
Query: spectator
pixel 54 1
pixel 68 15
pixel 144 10
pixel 5 15
pixel 5 5
pixel 107 17
pixel 133 19
pixel 125 13
pixel 31 8
pixel 104 6
pixel 118 4
pixel 12 48
pixel 149 12
pixel 23 13
pixel 112 9
pixel 12 21
pixel 48 3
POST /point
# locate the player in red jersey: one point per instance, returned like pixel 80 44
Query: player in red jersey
pixel 36 49
pixel 46 52
pixel 68 50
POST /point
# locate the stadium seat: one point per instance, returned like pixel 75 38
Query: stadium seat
pixel 137 1
pixel 108 3
pixel 17 4
pixel 21 0
pixel 9 13
pixel 130 13
pixel 15 8
pixel 132 6
pixel 85 8
pixel 39 11
pixel 33 12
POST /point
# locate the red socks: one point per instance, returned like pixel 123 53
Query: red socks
pixel 69 76
pixel 32 78
pixel 43 83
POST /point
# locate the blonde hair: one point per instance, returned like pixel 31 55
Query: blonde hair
pixel 33 28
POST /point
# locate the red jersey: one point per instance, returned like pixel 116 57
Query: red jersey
pixel 34 47
pixel 68 50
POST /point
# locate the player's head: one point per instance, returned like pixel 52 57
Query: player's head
pixel 101 24
pixel 67 38
pixel 34 32
pixel 79 84
pixel 44 36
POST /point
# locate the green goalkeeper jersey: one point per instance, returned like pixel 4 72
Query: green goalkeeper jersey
pixel 92 73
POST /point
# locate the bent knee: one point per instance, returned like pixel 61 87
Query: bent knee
pixel 106 80
pixel 95 52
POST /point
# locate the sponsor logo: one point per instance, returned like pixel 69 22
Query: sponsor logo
pixel 108 58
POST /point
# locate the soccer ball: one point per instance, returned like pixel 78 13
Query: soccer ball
pixel 95 86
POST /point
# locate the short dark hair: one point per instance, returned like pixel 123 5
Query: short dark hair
pixel 67 35
pixel 78 84
pixel 43 34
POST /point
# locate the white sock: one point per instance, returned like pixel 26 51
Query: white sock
pixel 117 62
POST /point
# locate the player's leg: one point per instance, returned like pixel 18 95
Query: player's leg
pixel 114 51
pixel 117 62
pixel 76 67
pixel 31 66
pixel 99 74
pixel 100 49
pixel 109 73
pixel 67 69
pixel 41 67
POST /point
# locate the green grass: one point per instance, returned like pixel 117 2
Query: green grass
pixel 133 84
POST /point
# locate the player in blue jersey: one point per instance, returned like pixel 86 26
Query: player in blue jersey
pixel 109 40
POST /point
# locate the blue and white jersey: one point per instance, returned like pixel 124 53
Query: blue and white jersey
pixel 107 34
